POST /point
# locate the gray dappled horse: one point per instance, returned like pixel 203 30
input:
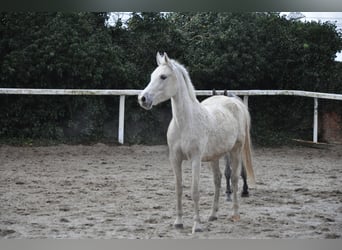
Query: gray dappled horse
pixel 200 132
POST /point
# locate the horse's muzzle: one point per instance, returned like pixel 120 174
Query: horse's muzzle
pixel 145 101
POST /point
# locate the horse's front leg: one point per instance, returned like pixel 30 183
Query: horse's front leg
pixel 176 163
pixel 196 169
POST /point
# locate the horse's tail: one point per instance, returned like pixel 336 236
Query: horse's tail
pixel 247 152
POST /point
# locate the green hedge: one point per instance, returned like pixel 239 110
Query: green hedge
pixel 220 50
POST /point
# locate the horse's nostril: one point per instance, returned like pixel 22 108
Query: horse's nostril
pixel 143 99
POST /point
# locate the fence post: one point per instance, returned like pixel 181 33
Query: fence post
pixel 121 119
pixel 315 121
pixel 245 100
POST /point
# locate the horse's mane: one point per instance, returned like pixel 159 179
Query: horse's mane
pixel 185 75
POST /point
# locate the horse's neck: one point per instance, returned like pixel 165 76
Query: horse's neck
pixel 185 110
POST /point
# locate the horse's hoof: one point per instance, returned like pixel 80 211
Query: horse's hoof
pixel 244 194
pixel 212 218
pixel 197 230
pixel 179 226
pixel 235 218
pixel 228 198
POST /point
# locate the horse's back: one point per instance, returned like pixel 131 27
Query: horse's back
pixel 220 103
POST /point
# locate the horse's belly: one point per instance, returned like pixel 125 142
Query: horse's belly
pixel 212 157
pixel 218 145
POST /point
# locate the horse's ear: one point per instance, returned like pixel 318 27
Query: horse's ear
pixel 159 58
pixel 166 58
pixel 162 59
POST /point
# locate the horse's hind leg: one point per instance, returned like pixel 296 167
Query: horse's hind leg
pixel 217 176
pixel 227 173
pixel 245 192
pixel 235 158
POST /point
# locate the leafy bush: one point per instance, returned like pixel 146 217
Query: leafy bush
pixel 220 50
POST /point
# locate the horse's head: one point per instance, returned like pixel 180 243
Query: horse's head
pixel 162 86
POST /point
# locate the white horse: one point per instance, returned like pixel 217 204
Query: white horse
pixel 199 132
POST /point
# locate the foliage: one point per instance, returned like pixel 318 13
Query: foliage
pixel 220 50
pixel 56 50
pixel 263 51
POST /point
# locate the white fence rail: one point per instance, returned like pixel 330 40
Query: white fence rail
pixel 129 92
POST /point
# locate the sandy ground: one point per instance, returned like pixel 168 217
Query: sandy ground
pixel 116 192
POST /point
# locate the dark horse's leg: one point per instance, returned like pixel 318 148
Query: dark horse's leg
pixel 245 186
pixel 227 173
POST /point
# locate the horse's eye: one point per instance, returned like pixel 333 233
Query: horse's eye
pixel 163 77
